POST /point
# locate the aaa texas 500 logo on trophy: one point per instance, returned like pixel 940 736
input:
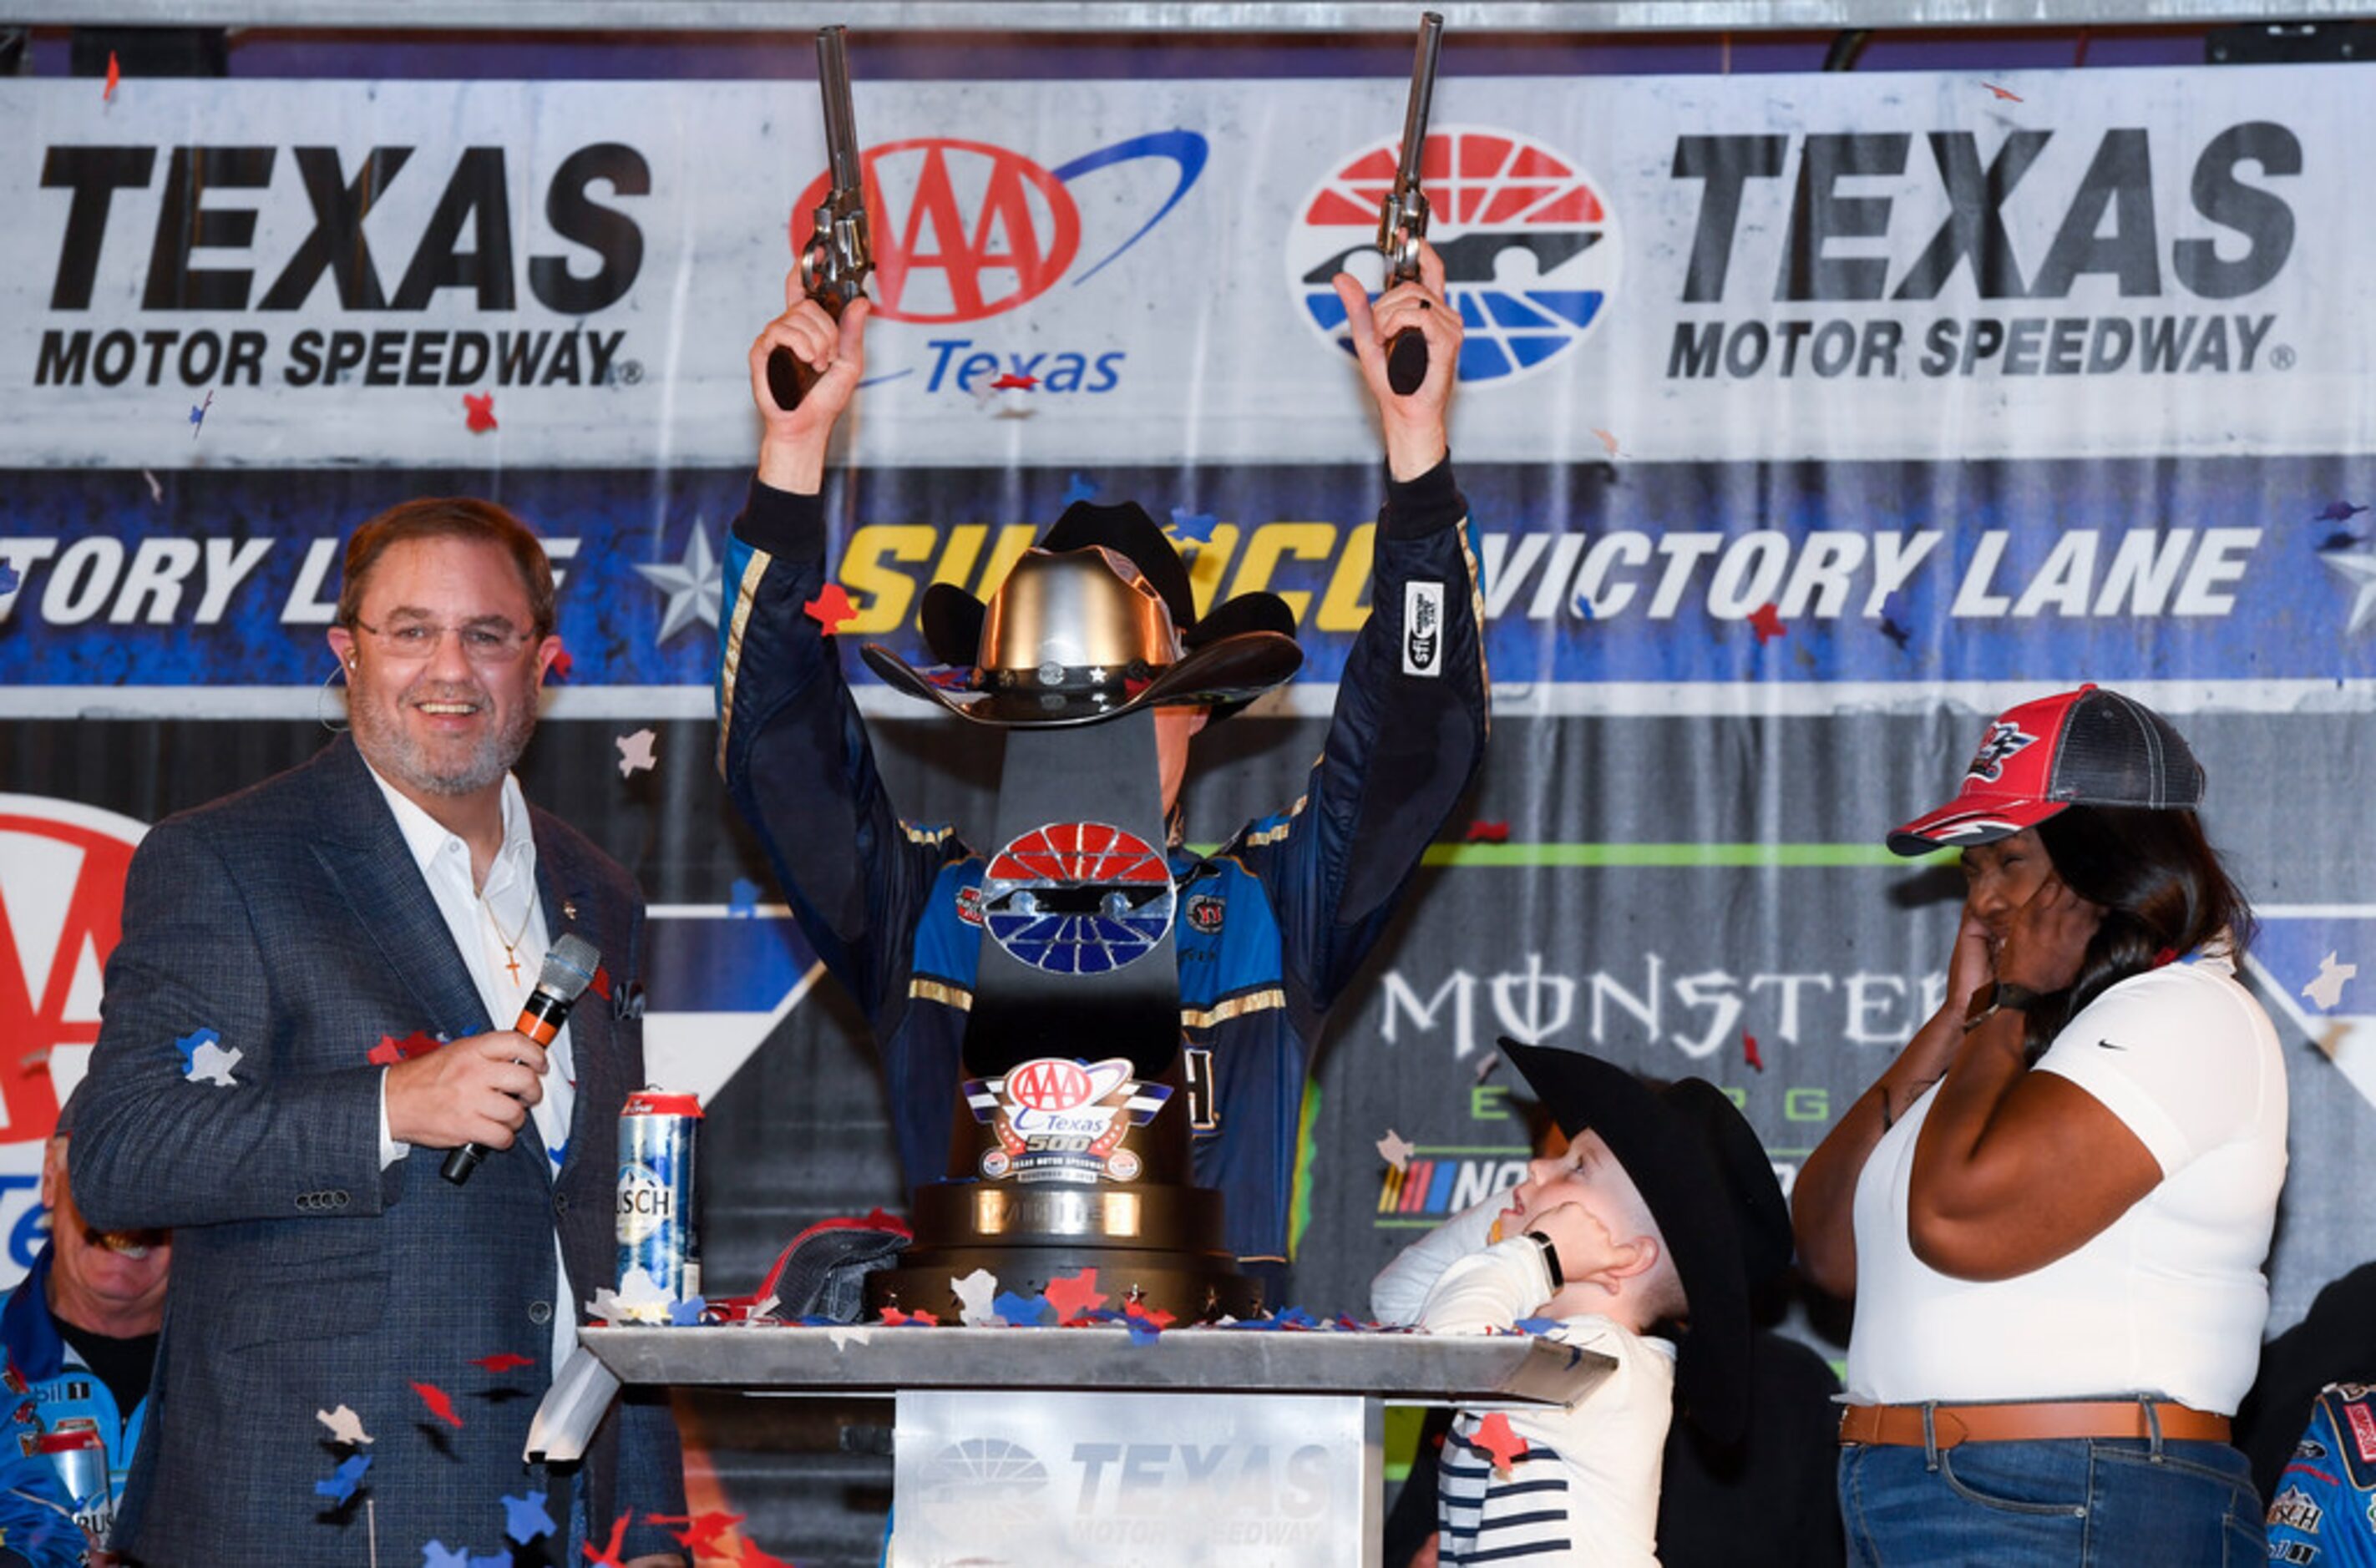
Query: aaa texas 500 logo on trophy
pixel 1059 1121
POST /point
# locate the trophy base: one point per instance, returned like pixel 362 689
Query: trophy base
pixel 1158 1246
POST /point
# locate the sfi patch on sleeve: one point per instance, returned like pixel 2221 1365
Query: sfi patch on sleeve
pixel 1423 629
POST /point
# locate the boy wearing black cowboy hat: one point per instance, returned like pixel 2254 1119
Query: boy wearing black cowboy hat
pixel 1640 1242
pixel 1098 621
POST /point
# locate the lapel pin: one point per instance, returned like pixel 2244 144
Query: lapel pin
pixel 569 908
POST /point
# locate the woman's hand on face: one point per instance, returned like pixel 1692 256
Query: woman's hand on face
pixel 2047 938
pixel 1970 966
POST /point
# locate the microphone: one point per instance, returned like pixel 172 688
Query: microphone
pixel 568 969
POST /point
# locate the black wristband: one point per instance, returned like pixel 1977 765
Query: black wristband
pixel 1550 1258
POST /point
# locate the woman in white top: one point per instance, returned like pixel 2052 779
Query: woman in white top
pixel 2053 1206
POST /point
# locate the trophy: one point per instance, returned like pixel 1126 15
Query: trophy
pixel 1069 1149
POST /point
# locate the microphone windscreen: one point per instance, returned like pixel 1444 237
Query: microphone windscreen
pixel 569 967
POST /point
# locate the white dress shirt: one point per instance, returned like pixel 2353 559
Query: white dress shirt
pixel 480 919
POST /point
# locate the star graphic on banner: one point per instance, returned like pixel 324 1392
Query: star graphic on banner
pixel 2327 989
pixel 693 585
pixel 2362 571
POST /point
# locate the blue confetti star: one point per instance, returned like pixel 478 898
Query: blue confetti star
pixel 437 1554
pixel 9 580
pixel 189 1044
pixel 1142 1331
pixel 688 1312
pixel 525 1518
pixel 745 900
pixel 1023 1311
pixel 493 1560
pixel 341 1485
pixel 1296 1317
pixel 558 1153
pixel 1083 487
pixel 1894 624
pixel 1536 1325
pixel 199 414
pixel 1197 526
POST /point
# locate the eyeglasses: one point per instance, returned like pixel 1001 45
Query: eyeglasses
pixel 490 643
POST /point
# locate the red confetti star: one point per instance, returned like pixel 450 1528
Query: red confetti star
pixel 1146 1313
pixel 391 1051
pixel 609 1557
pixel 1489 832
pixel 440 1403
pixel 1494 1437
pixel 704 1530
pixel 1768 622
pixel 1076 1294
pixel 757 1556
pixel 2001 93
pixel 1749 1049
pixel 895 1317
pixel 478 412
pixel 1608 441
pixel 1012 383
pixel 831 608
pixel 114 74
pixel 503 1362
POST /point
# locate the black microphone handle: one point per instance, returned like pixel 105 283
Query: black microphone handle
pixel 541 1018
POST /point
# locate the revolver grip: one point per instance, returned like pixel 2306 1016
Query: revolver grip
pixel 1406 362
pixel 787 379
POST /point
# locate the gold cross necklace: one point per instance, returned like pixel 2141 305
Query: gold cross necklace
pixel 511 944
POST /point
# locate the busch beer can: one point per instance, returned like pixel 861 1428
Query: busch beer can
pixel 79 1454
pixel 656 1204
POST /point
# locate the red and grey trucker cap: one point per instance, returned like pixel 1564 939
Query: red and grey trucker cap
pixel 2088 747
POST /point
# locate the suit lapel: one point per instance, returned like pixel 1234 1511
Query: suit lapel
pixel 365 855
pixel 569 905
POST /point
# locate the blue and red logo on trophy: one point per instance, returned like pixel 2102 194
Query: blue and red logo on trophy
pixel 1063 1121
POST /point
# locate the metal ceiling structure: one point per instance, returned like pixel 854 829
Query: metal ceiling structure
pixel 1209 17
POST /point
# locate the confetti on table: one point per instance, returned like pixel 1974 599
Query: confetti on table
pixel 344 1424
pixel 1156 1315
pixel 635 752
pixel 975 1293
pixel 115 75
pixel 743 900
pixel 1142 1331
pixel 502 1361
pixel 703 1531
pixel 2338 512
pixel 1083 487
pixel 1393 1151
pixel 830 608
pixel 843 1337
pixel 1022 1312
pixel 2327 989
pixel 199 414
pixel 525 1518
pixel 391 1051
pixel 893 1318
pixel 2003 94
pixel 1489 832
pixel 440 1403
pixel 1768 623
pixel 1536 1325
pixel 1197 526
pixel 1608 441
pixel 1010 382
pixel 341 1486
pixel 1749 1051
pixel 478 412
pixel 1075 1294
pixel 1493 1437
pixel 688 1312
pixel 609 1557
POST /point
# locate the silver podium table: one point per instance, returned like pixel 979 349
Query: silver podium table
pixel 1082 1445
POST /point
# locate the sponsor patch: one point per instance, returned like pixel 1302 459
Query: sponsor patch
pixel 1060 1119
pixel 970 905
pixel 1422 628
pixel 1205 913
pixel 2294 1510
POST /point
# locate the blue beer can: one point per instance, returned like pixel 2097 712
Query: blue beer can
pixel 656 1233
pixel 79 1455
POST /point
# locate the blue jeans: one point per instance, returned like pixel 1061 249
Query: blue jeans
pixel 2064 1502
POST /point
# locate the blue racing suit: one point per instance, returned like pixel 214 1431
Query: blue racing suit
pixel 1272 927
pixel 47 1385
pixel 2324 1512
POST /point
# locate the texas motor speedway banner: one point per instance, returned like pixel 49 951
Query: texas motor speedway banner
pixel 1805 420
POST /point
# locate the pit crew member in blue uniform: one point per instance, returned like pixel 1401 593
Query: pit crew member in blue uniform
pixel 1274 925
pixel 2324 1510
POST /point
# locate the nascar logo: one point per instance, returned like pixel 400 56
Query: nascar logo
pixel 1530 252
pixel 1437 1187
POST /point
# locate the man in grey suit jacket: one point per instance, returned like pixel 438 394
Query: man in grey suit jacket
pixel 267 1084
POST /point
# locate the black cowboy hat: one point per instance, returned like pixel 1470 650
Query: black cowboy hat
pixel 1709 1182
pixel 1225 659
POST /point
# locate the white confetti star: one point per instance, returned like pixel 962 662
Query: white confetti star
pixel 1393 1151
pixel 635 752
pixel 977 1291
pixel 210 1064
pixel 344 1424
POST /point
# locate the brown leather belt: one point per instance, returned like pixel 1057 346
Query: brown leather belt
pixel 1902 1425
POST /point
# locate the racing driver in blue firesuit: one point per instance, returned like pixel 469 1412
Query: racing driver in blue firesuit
pixel 1276 922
